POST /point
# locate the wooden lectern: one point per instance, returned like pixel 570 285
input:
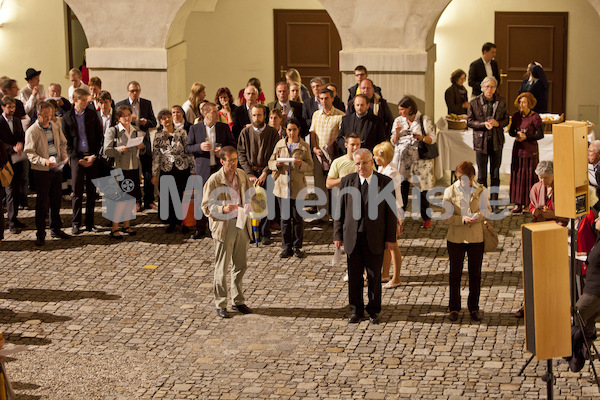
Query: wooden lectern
pixel 547 290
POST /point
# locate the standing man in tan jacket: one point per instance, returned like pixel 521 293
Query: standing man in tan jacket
pixel 223 199
pixel 46 148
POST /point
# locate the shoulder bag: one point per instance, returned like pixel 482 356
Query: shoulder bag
pixel 490 237
pixel 6 174
pixel 427 151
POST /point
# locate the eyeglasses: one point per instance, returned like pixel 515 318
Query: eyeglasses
pixel 231 161
pixel 135 90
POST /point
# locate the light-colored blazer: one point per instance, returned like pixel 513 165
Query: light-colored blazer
pixel 211 208
pixel 36 146
pixel 115 138
pixel 281 174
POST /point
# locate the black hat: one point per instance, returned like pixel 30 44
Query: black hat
pixel 31 73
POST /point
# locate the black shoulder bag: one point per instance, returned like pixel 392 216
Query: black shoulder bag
pixel 427 151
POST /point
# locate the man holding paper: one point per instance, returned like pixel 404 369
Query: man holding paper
pixel 223 200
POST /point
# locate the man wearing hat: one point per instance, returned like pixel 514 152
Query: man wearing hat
pixel 33 92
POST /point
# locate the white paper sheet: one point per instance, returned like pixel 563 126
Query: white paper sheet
pixel 241 218
pixel 286 160
pixel 136 141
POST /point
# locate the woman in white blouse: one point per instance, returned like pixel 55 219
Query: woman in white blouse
pixel 410 128
pixel 383 154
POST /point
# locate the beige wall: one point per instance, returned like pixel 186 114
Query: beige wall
pixel 43 49
pixel 466 24
pixel 238 53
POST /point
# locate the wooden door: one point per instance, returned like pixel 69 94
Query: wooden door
pixel 523 37
pixel 308 41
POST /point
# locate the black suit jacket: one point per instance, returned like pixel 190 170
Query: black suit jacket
pixel 113 117
pixel 352 91
pixel 9 138
pixel 197 135
pixel 384 112
pixel 339 104
pixel 477 74
pixel 296 112
pixel 378 231
pixel 240 120
pixel 93 130
pixel 308 109
pixel 375 131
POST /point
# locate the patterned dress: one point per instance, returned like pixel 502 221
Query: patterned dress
pixel 406 157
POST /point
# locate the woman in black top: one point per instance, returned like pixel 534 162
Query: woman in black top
pixel 536 84
pixel 456 94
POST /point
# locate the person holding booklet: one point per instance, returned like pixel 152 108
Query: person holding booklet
pixel 290 161
pixel 122 142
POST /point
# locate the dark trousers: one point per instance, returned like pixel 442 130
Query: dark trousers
pixel 146 161
pixel 82 177
pixel 202 223
pixel 265 223
pixel 49 195
pixel 134 176
pixel 589 308
pixel 495 159
pixel 1 213
pixel 15 193
pixel 181 178
pixel 292 228
pixel 405 189
pixel 360 259
pixel 456 253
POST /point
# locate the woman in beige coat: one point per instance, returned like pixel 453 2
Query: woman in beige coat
pixel 290 179
pixel 469 202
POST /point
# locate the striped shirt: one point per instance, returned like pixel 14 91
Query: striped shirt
pixel 52 152
pixel 326 126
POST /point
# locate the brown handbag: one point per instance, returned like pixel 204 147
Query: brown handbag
pixel 6 174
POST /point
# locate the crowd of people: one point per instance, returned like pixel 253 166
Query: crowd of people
pixel 238 145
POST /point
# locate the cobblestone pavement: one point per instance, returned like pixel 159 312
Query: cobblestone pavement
pixel 99 325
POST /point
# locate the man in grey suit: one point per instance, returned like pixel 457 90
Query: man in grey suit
pixel 365 238
pixel 201 144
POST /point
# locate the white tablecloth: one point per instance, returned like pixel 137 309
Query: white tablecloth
pixel 457 146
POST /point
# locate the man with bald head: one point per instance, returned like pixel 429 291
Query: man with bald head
pixel 369 126
pixel 242 115
pixel 377 104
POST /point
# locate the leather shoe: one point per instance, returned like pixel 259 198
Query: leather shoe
pixel 60 234
pixel 286 253
pixel 266 241
pixel 19 224
pixel 355 318
pixel 14 230
pixel 75 230
pixel 375 318
pixel 222 312
pixel 40 241
pixel 298 253
pixel 198 235
pixel 475 315
pixel 453 316
pixel 92 228
pixel 185 230
pixel 242 308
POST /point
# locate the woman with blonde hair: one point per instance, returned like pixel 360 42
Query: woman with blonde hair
pixel 383 154
pixel 192 106
pixel 293 76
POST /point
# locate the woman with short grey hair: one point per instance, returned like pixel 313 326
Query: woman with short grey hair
pixel 545 167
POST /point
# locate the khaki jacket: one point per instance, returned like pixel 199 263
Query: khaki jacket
pixel 459 232
pixel 281 174
pixel 213 208
pixel 36 146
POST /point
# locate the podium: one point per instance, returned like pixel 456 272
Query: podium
pixel 547 291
